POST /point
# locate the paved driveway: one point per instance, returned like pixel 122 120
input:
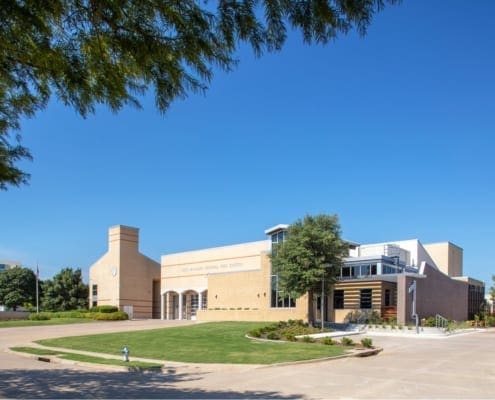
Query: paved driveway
pixel 458 367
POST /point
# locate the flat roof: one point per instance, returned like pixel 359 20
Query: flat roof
pixel 279 227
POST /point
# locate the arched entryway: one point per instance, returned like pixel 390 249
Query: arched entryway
pixel 183 304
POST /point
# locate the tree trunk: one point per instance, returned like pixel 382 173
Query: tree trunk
pixel 311 314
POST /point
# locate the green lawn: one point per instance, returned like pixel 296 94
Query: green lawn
pixel 219 342
pixel 54 321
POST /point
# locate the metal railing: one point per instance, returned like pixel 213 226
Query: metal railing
pixel 441 322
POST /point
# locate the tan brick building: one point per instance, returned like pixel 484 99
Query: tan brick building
pixel 237 282
pixel 124 277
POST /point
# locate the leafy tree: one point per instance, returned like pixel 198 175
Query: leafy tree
pixel 17 286
pixel 312 252
pixel 65 291
pixel 90 52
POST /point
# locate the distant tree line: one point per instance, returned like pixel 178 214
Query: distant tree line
pixel 65 291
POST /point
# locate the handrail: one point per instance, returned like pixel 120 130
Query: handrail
pixel 441 322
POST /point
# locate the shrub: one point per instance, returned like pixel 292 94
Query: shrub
pixel 490 321
pixel 255 332
pixel 104 309
pixel 347 341
pixel 308 339
pixel 328 341
pixel 375 317
pixel 290 337
pixel 430 321
pixel 69 314
pixel 285 329
pixel 115 316
pixel 39 317
pixel 273 336
pixel 367 342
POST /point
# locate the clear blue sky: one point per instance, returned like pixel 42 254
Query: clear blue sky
pixel 393 132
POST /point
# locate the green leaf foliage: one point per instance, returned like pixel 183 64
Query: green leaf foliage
pixel 312 251
pixel 65 291
pixel 17 286
pixel 104 309
pixel 88 52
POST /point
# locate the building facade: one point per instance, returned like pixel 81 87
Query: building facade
pixel 237 282
pixel 124 277
pixel 8 264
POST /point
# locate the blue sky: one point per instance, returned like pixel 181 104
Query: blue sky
pixel 394 132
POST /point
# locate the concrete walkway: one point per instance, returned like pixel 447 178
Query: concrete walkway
pixel 459 367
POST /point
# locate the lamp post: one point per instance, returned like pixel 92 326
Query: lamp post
pixel 412 289
pixel 322 302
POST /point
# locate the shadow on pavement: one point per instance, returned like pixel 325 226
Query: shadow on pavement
pixel 71 384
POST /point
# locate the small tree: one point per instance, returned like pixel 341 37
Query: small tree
pixel 66 291
pixel 17 286
pixel 311 254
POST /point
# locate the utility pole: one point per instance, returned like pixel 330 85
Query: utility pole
pixel 37 292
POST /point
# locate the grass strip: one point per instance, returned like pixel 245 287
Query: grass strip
pixel 54 321
pixel 85 358
pixel 35 350
pixel 109 361
pixel 215 342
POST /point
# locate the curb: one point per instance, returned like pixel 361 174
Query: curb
pixel 356 353
pixel 56 360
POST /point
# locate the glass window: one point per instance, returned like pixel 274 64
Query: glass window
pixel 373 269
pixel 346 271
pixel 365 270
pixel 338 299
pixel 365 298
pixel 94 290
pixel 387 297
pixel 278 298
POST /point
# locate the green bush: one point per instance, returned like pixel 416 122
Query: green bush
pixel 328 341
pixel 430 321
pixel 375 317
pixel 347 341
pixel 115 316
pixel 290 337
pixel 104 309
pixel 273 336
pixel 308 339
pixel 39 317
pixel 59 314
pixel 255 332
pixel 367 342
pixel 490 321
pixel 69 314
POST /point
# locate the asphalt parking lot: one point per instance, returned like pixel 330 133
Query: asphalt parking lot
pixel 457 367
